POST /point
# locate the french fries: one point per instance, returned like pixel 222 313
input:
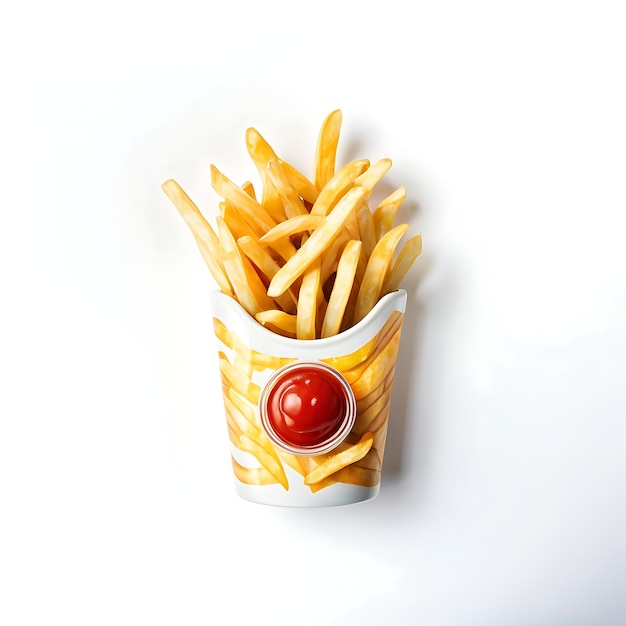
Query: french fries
pixel 307 258
pixel 268 241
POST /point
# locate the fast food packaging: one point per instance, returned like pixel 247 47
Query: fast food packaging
pixel 307 419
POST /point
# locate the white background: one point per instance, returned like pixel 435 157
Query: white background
pixel 503 499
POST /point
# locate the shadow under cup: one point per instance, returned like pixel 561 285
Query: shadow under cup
pixel 344 468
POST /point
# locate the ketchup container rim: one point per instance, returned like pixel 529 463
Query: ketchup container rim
pixel 332 441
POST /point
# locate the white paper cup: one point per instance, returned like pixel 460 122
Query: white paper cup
pixel 288 464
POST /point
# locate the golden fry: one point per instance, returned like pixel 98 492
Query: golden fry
pixel 367 232
pixel 372 176
pixel 248 187
pixel 234 195
pixel 335 462
pixel 354 475
pixel 370 418
pixel 344 280
pixel 300 183
pixel 233 377
pixel 267 265
pixel 385 212
pixel 292 226
pixel 307 302
pixel 326 151
pixel 378 369
pixel 283 323
pixel 365 403
pixel 376 270
pixel 205 236
pixel 409 252
pixel 262 153
pixel 241 275
pixel 337 186
pixel 331 256
pixel 292 204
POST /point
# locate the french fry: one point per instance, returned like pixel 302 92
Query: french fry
pixel 248 187
pixel 337 186
pixel 307 302
pixel 233 432
pixel 260 151
pixel 237 421
pixel 372 176
pixel 380 421
pixel 292 204
pixel 331 257
pixel 243 406
pixel 234 195
pixel 243 282
pixel 376 270
pixel 233 377
pixel 215 267
pixel 335 462
pixel 300 183
pixel 385 212
pixel 292 226
pixel 382 341
pixel 326 151
pixel 266 264
pixel 256 285
pixel 365 473
pixel 370 418
pixel 280 322
pixel 344 280
pixel 379 443
pixel 370 460
pixel 408 253
pixel 364 403
pixel 205 236
pixel 353 365
pixel 378 369
pixel 367 232
pixel 261 154
pixel 354 475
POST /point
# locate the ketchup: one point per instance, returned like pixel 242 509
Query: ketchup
pixel 308 405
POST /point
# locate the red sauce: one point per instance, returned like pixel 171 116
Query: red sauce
pixel 307 406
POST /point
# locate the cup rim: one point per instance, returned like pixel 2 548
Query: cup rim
pixel 394 299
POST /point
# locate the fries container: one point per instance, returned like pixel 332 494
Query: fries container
pixel 336 460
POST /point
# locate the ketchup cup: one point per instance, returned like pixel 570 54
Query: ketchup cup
pixel 307 408
pixel 307 419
